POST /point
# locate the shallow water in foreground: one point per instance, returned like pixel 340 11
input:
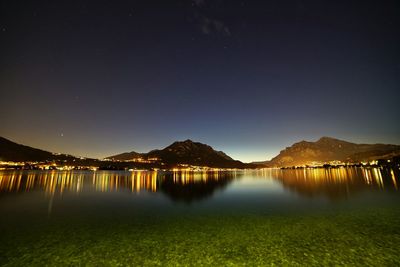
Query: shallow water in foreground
pixel 296 217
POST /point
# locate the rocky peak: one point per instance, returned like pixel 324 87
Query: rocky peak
pixel 326 139
pixel 187 145
pixel 328 149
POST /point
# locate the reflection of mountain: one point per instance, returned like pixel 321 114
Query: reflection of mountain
pixel 179 186
pixel 336 183
pixel 189 187
pixel 329 149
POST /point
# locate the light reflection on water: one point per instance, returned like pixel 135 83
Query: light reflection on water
pixel 337 183
pixel 57 182
pixel 189 186
pixel 147 193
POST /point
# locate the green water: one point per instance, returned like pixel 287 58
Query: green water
pixel 270 217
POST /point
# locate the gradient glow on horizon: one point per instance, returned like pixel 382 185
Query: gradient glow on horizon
pixel 97 78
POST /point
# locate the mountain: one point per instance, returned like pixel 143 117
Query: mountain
pixel 324 150
pixel 126 156
pixel 328 149
pixel 10 151
pixel 193 153
pixel 187 152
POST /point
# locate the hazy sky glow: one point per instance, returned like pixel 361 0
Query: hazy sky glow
pixel 96 78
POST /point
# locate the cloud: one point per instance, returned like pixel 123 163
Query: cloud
pixel 209 25
pixel 198 2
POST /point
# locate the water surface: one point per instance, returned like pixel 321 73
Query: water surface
pixel 303 216
pixel 58 193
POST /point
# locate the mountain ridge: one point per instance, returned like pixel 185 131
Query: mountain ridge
pixel 186 152
pixel 125 156
pixel 327 149
pixel 324 150
pixel 11 151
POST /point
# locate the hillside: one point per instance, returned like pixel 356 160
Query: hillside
pixel 10 151
pixel 187 152
pixel 328 149
pixel 125 156
pixel 194 153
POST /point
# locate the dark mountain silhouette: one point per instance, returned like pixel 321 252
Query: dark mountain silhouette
pixel 126 156
pixel 194 153
pixel 187 152
pixel 10 151
pixel 328 149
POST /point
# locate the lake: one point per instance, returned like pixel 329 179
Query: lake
pixel 257 217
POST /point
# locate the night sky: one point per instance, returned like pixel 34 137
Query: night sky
pixel 96 78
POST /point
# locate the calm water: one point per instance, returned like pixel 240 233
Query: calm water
pixel 28 195
pixel 286 217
